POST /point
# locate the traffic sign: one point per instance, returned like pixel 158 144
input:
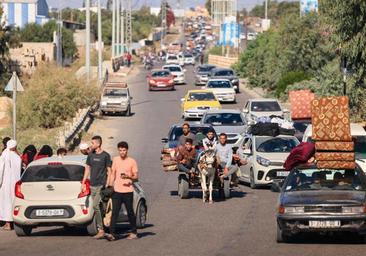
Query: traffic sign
pixel 14 81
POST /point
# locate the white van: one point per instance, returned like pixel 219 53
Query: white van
pixel 359 135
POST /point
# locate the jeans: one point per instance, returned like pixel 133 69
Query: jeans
pixel 232 169
pixel 185 167
pixel 117 200
pixel 96 198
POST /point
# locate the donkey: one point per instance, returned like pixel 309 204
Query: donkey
pixel 207 166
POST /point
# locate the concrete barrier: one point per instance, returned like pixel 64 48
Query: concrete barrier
pixel 221 61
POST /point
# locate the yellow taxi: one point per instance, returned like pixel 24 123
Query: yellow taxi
pixel 197 102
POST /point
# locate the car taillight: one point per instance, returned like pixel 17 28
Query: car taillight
pixel 86 191
pixel 84 209
pixel 18 190
pixel 281 209
pixel 16 210
pixel 152 81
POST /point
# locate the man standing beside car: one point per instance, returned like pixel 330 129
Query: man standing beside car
pixel 124 173
pixel 98 168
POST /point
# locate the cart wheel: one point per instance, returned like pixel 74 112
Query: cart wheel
pixel 227 188
pixel 183 187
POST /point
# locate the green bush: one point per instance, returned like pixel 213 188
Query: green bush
pixel 216 50
pixel 52 96
pixel 290 78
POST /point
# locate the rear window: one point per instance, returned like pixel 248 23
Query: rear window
pixel 53 173
pixel 224 73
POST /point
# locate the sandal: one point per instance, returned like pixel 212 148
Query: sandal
pixel 110 238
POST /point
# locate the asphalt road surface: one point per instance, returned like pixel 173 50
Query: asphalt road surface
pixel 242 225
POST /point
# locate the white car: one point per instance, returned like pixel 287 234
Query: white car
pixel 174 59
pixel 255 108
pixel 222 88
pixel 359 136
pixel 177 72
pixel 49 194
pixel 189 59
pixel 266 156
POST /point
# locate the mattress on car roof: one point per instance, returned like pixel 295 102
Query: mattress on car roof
pixel 301 104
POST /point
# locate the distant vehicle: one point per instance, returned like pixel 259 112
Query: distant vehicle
pixel 321 201
pixel 222 88
pixel 266 156
pixel 116 98
pixel 252 36
pixel 48 194
pixel 229 121
pixel 358 134
pixel 178 73
pixel 173 59
pixel 160 80
pixel 226 73
pixel 202 74
pixel 255 108
pixel 189 59
pixel 197 102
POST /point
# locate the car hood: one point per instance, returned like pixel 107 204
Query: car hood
pixel 195 104
pixel 322 197
pixel 161 78
pixel 274 157
pixel 230 129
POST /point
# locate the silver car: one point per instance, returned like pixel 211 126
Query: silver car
pixel 229 121
pixel 116 98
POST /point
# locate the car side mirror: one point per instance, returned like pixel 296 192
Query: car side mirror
pixel 164 140
pixel 276 186
pixel 247 152
pixel 245 110
pixel 285 110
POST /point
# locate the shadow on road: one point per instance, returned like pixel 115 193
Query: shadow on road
pixel 197 194
pixel 336 238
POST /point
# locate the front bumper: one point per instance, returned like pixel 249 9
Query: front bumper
pixel 179 80
pixel 294 223
pixel 193 113
pixel 114 108
pixel 161 87
pixel 226 98
pixel 266 175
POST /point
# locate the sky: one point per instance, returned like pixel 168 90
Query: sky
pixel 155 3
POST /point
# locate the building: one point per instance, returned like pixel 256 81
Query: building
pixel 21 12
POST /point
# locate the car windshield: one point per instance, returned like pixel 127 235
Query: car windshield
pixel 275 145
pixel 227 119
pixel 172 57
pixel 301 126
pixel 325 179
pixel 188 56
pixel 173 69
pixel 266 106
pixel 178 131
pixel 201 96
pixel 161 73
pixel 224 73
pixel 219 84
pixel 53 172
pixel 204 69
pixel 115 92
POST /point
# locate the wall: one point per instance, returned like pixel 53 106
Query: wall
pixel 220 61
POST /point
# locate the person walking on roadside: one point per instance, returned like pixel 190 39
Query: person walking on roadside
pixel 129 58
pixel 45 151
pixel 5 141
pixel 10 168
pixel 124 173
pixel 97 169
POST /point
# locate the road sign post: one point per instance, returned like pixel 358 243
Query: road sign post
pixel 14 86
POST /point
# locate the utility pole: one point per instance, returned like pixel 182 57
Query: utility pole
pixel 100 75
pixel 87 41
pixel 113 28
pixel 123 25
pixel 59 37
pixel 163 21
pixel 266 10
pixel 118 37
pixel 129 25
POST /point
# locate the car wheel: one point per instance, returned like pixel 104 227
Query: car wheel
pixel 227 188
pixel 92 227
pixel 150 89
pixel 128 112
pixel 22 230
pixel 252 180
pixel 102 113
pixel 282 237
pixel 183 187
pixel 141 214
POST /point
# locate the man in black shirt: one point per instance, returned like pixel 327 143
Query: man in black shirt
pixel 98 168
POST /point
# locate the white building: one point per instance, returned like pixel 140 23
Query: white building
pixel 21 12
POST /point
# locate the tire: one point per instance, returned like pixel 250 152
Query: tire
pixel 128 112
pixel 227 188
pixel 281 236
pixel 22 230
pixel 92 227
pixel 183 187
pixel 141 214
pixel 102 113
pixel 252 180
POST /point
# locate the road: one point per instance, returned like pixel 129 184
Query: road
pixel 242 225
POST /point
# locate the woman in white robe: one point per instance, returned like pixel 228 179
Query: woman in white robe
pixel 10 169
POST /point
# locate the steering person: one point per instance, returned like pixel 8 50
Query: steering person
pixel 225 154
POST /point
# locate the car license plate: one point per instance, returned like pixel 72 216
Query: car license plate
pixel 161 85
pixel 50 212
pixel 282 174
pixel 324 223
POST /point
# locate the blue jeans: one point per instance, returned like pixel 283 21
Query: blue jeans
pixel 185 167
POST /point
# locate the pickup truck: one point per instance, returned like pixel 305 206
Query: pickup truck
pixel 116 98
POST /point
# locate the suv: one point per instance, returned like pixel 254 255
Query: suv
pixel 202 73
pixel 255 108
pixel 226 73
pixel 116 98
pixel 48 194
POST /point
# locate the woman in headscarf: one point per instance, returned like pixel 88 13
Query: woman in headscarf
pixel 45 151
pixel 28 155
pixel 10 167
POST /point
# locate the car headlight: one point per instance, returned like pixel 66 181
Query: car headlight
pixel 171 81
pixel 294 209
pixel 353 209
pixel 263 161
pixel 152 82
